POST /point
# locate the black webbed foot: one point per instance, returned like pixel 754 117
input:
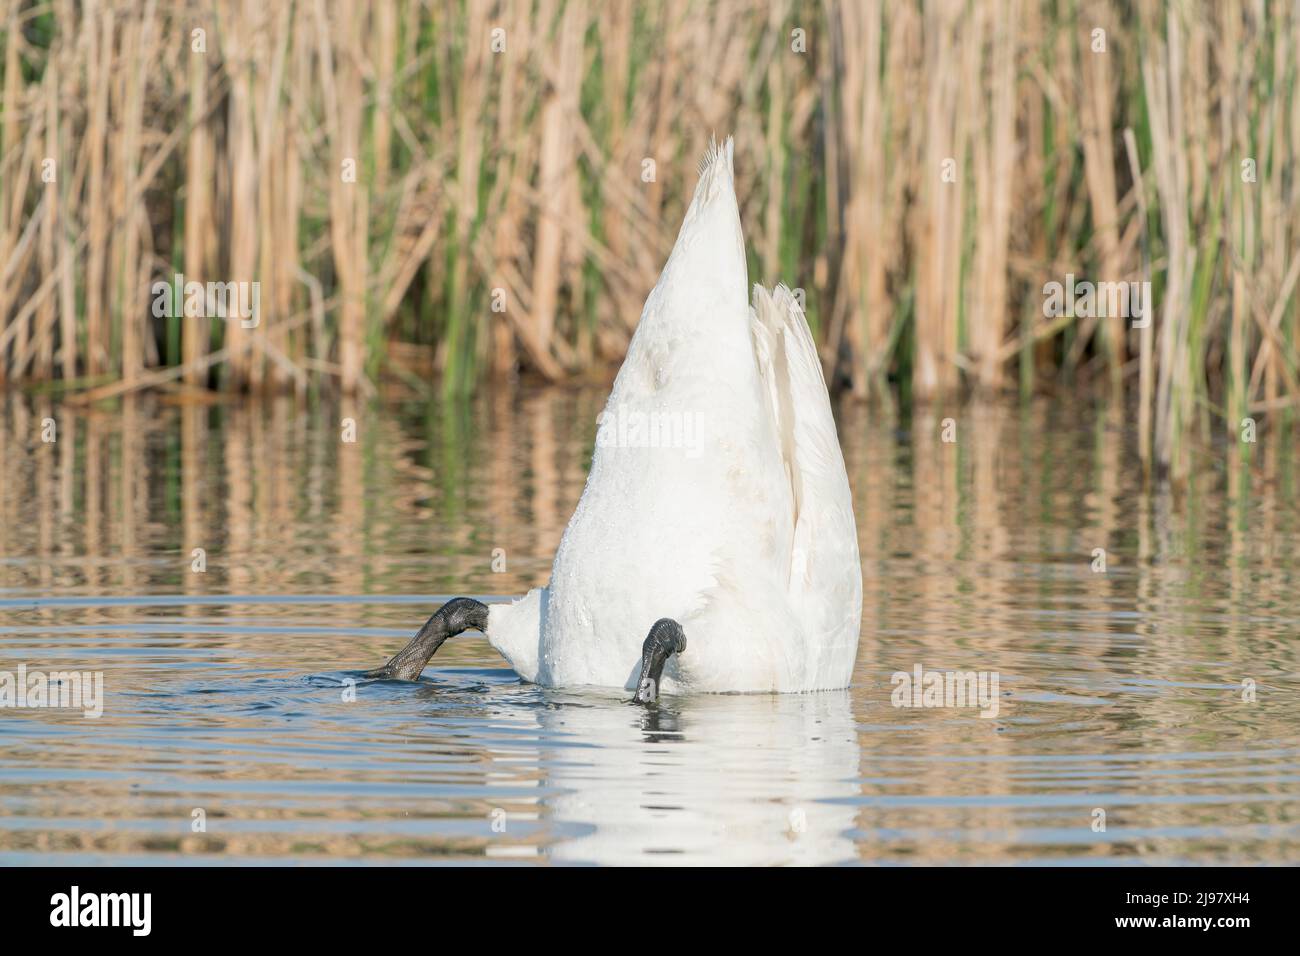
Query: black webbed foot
pixel 666 638
pixel 457 615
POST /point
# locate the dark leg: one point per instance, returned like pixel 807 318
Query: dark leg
pixel 665 638
pixel 458 614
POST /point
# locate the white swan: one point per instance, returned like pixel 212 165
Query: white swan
pixel 717 511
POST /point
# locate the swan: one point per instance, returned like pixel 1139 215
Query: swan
pixel 717 507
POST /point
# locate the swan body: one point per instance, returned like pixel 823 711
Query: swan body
pixel 717 495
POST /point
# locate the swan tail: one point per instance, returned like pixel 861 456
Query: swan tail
pixel 825 571
pixel 701 297
pixel 715 193
pixel 717 170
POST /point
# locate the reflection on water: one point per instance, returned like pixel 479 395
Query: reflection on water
pixel 228 689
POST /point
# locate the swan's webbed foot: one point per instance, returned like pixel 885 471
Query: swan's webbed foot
pixel 458 614
pixel 666 638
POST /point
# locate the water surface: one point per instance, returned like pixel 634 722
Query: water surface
pixel 1161 691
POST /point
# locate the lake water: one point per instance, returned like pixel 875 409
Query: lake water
pixel 1160 692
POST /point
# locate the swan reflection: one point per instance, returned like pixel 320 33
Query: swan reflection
pixel 708 779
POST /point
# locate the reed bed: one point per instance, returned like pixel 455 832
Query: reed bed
pixel 439 193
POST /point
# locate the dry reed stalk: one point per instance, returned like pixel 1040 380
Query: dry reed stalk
pixel 556 165
pixel 777 119
pixel 996 173
pixel 1146 377
pixel 1161 72
pixel 238 41
pixel 384 60
pixel 507 198
pixel 951 67
pixel 138 54
pixel 11 203
pixel 616 43
pixel 470 102
pixel 1240 214
pixel 291 197
pixel 200 225
pixel 43 366
pixel 276 281
pixel 1097 125
pixel 66 192
pixel 1278 249
pixel 1293 145
pixel 348 203
pixel 100 69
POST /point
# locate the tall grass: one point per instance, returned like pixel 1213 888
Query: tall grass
pixel 463 190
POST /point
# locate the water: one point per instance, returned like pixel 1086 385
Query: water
pixel 225 690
